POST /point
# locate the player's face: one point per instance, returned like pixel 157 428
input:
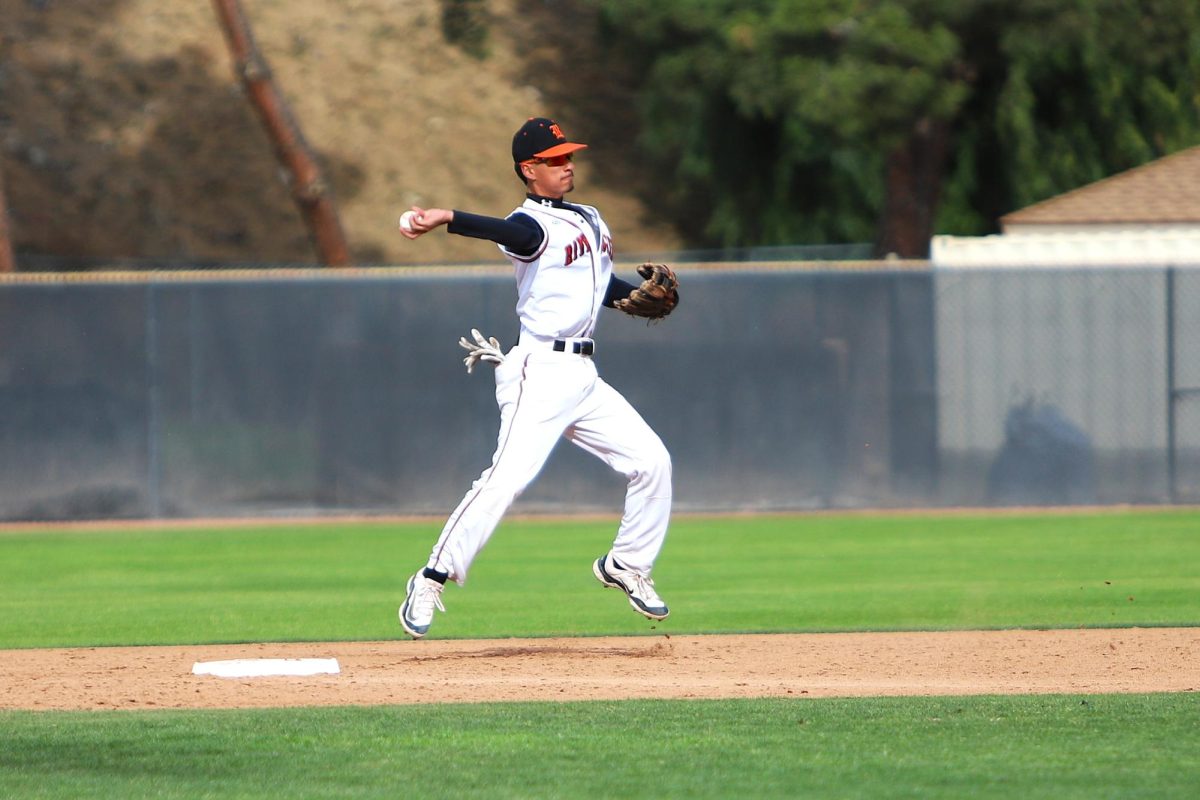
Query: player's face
pixel 552 177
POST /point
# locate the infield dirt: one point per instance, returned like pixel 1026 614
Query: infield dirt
pixel 1084 661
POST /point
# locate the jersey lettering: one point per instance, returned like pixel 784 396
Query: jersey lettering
pixel 577 249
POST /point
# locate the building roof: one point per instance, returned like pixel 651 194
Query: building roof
pixel 1163 191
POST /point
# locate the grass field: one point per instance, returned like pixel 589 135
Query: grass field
pixel 729 574
pixel 720 575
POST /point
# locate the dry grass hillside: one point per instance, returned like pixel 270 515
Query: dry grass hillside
pixel 123 134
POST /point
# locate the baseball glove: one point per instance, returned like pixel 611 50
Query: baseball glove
pixel 656 297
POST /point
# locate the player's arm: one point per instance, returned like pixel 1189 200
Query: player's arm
pixel 519 234
pixel 617 290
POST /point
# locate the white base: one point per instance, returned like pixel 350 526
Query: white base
pixel 265 667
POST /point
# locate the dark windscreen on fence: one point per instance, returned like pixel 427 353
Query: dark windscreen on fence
pixel 773 388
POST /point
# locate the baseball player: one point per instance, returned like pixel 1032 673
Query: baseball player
pixel 546 385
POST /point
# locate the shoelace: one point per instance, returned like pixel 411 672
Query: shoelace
pixel 429 596
pixel 644 588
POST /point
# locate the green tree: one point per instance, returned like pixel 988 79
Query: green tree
pixel 814 121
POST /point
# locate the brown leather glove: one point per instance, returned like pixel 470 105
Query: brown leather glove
pixel 656 297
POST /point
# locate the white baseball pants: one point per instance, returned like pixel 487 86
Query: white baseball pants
pixel 544 395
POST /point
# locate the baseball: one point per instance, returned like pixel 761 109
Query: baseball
pixel 406 221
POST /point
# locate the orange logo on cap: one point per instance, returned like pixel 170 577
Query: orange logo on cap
pixel 557 131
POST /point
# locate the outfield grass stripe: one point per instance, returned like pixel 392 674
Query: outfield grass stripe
pixel 746 574
pixel 1053 746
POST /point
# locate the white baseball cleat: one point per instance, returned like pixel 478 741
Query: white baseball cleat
pixel 639 588
pixel 424 595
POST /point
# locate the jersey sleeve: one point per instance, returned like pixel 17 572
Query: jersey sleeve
pixel 536 230
pixel 617 290
pixel 519 234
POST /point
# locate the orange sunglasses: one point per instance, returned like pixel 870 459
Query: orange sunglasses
pixel 552 161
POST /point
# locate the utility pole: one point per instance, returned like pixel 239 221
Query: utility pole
pixel 309 188
pixel 8 262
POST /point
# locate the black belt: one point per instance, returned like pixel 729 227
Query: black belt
pixel 584 348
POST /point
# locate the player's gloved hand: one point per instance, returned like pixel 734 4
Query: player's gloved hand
pixel 656 297
pixel 482 349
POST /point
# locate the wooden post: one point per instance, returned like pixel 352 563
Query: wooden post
pixel 309 189
pixel 8 262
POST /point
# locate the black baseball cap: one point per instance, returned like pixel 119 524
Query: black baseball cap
pixel 541 138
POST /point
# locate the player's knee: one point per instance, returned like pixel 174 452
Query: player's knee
pixel 655 466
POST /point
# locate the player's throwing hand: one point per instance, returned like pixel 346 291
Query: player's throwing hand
pixel 418 221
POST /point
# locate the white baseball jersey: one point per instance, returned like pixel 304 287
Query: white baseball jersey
pixel 560 287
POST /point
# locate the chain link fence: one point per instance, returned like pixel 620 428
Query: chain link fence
pixel 1057 385
pixel 774 386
